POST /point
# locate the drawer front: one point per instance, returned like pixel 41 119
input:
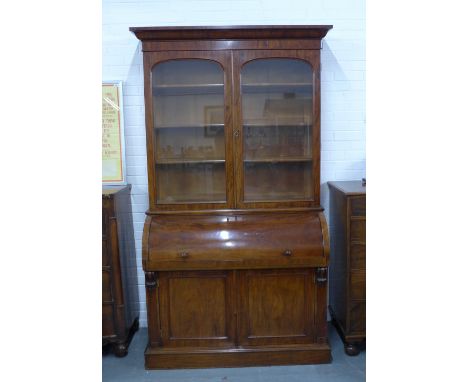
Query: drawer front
pixel 357 254
pixel 358 230
pixel 288 257
pixel 358 205
pixel 358 285
pixel 106 286
pixel 357 317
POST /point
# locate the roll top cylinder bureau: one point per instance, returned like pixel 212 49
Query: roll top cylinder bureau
pixel 235 243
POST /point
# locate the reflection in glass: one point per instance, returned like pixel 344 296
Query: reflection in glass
pixel 190 182
pixel 190 143
pixel 277 181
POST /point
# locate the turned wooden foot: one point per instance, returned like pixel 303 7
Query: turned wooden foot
pixel 120 349
pixel 352 349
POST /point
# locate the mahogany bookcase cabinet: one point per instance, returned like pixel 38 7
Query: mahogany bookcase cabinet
pixel 235 245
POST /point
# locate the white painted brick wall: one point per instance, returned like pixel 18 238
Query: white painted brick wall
pixel 343 78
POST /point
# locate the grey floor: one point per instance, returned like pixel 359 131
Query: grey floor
pixel 131 368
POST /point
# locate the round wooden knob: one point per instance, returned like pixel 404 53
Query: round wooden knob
pixel 288 253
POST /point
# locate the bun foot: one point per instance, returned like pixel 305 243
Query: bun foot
pixel 120 350
pixel 351 349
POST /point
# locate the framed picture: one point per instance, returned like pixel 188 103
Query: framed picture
pixel 214 118
pixel 113 139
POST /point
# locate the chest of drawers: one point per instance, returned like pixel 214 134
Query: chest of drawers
pixel 347 301
pixel 120 307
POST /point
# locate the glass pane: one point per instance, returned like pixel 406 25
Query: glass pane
pixel 266 181
pixel 277 122
pixel 190 143
pixel 188 114
pixel 191 182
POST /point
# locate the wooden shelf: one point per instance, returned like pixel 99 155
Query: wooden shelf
pixel 279 123
pixel 297 120
pixel 277 87
pixel 277 159
pixel 187 89
pixel 189 126
pixel 188 161
pixel 183 199
pixel 276 196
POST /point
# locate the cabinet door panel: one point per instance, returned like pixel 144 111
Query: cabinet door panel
pixel 276 307
pixel 197 308
pixel 277 128
pixel 188 107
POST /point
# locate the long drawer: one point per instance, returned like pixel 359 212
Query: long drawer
pixel 357 254
pixel 358 229
pixel 358 205
pixel 357 285
pixel 357 317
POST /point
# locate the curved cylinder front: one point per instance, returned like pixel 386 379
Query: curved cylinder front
pixel 269 240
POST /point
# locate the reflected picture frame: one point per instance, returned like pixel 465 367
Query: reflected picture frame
pixel 214 118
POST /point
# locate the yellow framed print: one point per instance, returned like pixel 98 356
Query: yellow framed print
pixel 113 139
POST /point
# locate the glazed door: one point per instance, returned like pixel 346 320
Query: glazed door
pixel 277 128
pixel 189 139
pixel 277 307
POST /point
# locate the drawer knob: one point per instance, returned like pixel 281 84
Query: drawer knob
pixel 183 255
pixel 288 253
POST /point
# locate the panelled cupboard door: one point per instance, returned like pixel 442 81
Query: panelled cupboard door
pixel 277 307
pixel 277 128
pixel 189 132
pixel 197 308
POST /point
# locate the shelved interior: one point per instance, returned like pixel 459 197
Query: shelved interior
pixel 277 129
pixel 190 183
pixel 188 133
pixel 270 181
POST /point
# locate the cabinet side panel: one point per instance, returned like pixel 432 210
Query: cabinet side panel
pixel 127 252
pixel 107 320
pixel 338 261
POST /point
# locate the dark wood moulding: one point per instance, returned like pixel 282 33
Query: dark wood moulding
pixel 232 32
pixel 231 37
